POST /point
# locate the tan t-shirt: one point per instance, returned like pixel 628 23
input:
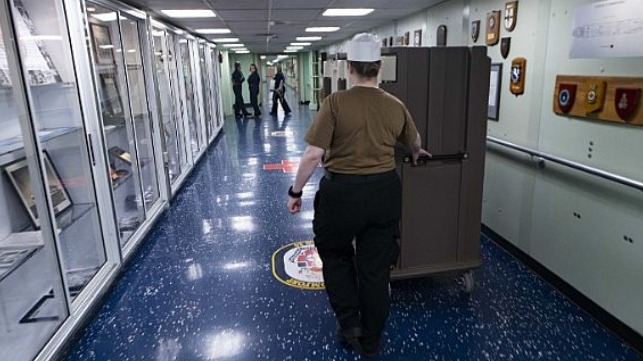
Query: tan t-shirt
pixel 358 128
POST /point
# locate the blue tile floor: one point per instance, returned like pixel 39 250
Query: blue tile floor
pixel 202 288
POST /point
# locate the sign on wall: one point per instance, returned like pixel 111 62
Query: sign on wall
pixel 604 29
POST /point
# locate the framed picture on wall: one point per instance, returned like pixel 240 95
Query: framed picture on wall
pixel 407 38
pixel 495 82
pixel 102 41
pixel 417 38
pixel 20 177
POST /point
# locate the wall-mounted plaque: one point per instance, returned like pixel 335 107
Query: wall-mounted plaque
pixel 475 30
pixel 493 28
pixel 407 38
pixel 518 71
pixel 441 36
pixel 580 96
pixel 626 102
pixel 417 37
pixel 595 97
pixel 511 15
pixel 566 96
pixel 505 46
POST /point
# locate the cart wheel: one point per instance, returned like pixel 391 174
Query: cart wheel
pixel 468 282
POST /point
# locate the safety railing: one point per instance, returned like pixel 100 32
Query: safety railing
pixel 574 165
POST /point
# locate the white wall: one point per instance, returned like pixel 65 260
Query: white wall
pixel 574 224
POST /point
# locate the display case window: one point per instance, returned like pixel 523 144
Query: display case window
pixel 168 103
pixel 119 80
pixel 180 109
pixel 186 61
pixel 48 205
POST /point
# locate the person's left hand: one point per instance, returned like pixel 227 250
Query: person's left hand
pixel 294 205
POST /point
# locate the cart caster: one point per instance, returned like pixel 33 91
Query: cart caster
pixel 467 282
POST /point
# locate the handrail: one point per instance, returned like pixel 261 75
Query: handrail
pixel 574 165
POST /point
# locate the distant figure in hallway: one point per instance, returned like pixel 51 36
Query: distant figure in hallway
pixel 253 85
pixel 278 93
pixel 237 80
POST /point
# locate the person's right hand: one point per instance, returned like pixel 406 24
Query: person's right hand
pixel 420 153
pixel 294 205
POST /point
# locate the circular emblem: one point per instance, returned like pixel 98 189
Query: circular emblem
pixel 515 74
pixel 492 22
pixel 298 265
pixel 563 97
pixel 591 96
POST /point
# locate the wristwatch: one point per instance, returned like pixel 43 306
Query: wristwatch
pixel 295 195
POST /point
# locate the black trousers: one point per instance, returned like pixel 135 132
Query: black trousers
pixel 239 105
pixel 254 101
pixel 367 209
pixel 282 99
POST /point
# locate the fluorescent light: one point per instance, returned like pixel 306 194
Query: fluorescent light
pixel 347 12
pixel 322 29
pixel 294 47
pixel 308 38
pixel 262 57
pixel 105 17
pixel 290 51
pixel 242 51
pixel 213 31
pixel 300 44
pixel 193 13
pixel 225 40
pixel 233 45
pixel 91 9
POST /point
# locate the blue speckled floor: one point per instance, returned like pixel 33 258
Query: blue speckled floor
pixel 202 288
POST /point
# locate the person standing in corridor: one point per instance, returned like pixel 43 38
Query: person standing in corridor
pixel 279 93
pixel 253 85
pixel 237 81
pixel 360 195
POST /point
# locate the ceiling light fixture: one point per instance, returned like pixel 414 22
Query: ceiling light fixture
pixel 233 45
pixel 189 13
pixel 242 51
pixel 213 31
pixel 322 29
pixel 347 12
pixel 225 40
pixel 262 57
pixel 290 51
pixel 300 44
pixel 308 38
pixel 294 47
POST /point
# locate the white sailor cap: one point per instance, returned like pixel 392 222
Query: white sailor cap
pixel 364 47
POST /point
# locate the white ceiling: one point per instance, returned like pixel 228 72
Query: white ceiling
pixel 268 26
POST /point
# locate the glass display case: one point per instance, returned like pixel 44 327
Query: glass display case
pixel 121 106
pixel 206 91
pixel 215 80
pixel 133 33
pixel 167 102
pixel 87 114
pixel 178 89
pixel 49 219
pixel 190 98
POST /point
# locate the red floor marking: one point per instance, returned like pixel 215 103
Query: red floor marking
pixel 286 166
